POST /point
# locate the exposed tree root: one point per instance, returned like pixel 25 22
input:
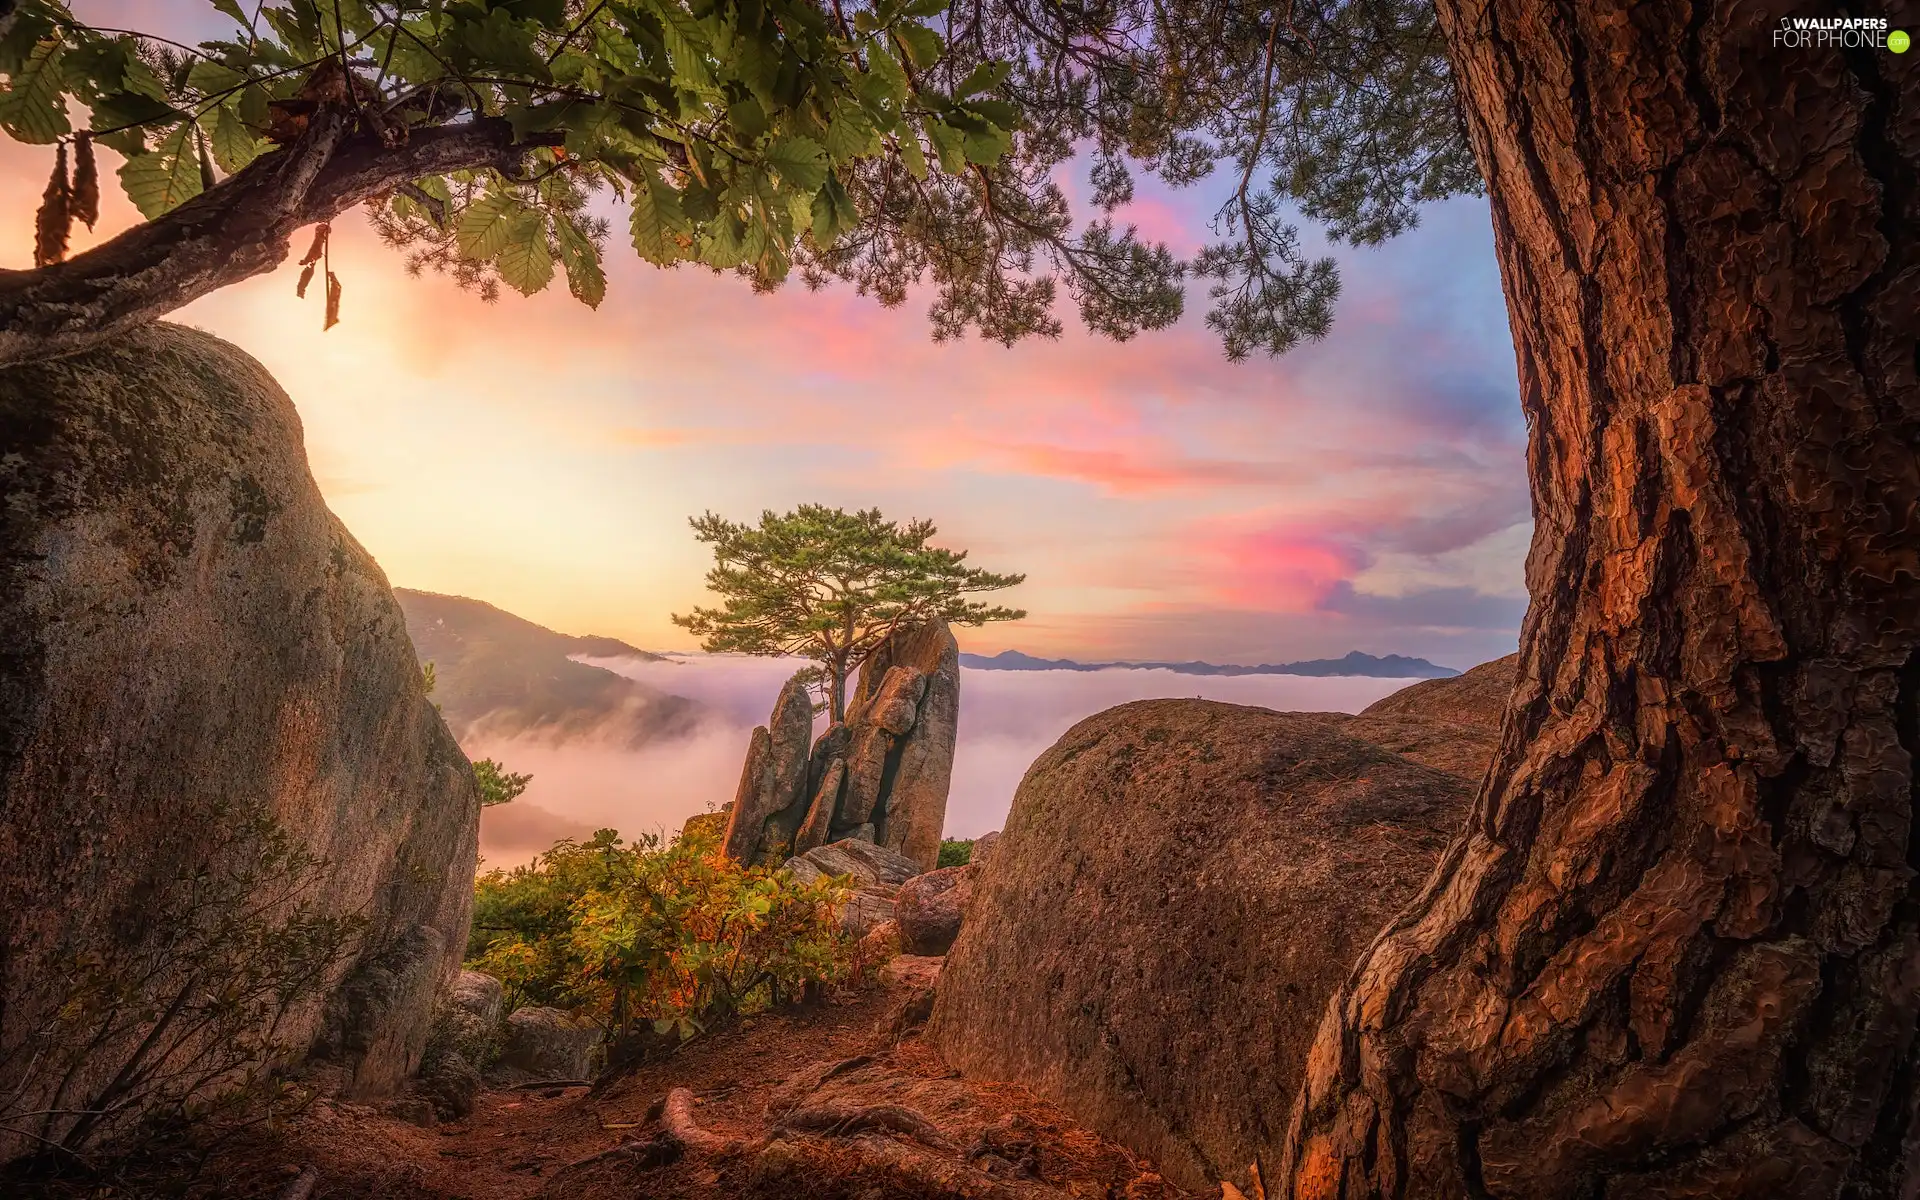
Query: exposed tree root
pixel 676 1121
pixel 845 1120
pixel 935 1174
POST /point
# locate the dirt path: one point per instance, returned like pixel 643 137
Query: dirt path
pixel 796 1105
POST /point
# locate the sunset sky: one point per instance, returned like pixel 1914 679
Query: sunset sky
pixel 1367 492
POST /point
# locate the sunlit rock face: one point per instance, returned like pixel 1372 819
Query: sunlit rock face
pixel 1180 887
pixel 204 680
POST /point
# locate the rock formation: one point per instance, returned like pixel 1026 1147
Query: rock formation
pixel 1179 887
pixel 875 872
pixel 881 776
pixel 768 806
pixel 197 656
pixel 866 864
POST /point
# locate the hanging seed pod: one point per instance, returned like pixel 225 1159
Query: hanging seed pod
pixel 54 221
pixel 86 181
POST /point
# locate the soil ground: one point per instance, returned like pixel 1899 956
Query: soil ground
pixel 801 1104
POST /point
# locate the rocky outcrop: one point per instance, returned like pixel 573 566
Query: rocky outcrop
pixel 880 776
pixel 768 807
pixel 913 810
pixel 930 907
pixel 866 864
pixel 1178 889
pixel 200 663
pixel 874 872
pixel 548 1044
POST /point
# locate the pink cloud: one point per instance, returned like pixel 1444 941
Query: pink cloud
pixel 1281 571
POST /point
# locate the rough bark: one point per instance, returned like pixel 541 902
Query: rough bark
pixel 1677 950
pixel 238 229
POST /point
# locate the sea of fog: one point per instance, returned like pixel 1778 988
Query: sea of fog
pixel 1007 718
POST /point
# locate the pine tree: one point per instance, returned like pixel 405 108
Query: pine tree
pixel 832 586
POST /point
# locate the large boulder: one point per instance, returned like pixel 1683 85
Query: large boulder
pixel 1179 887
pixel 548 1044
pixel 930 908
pixel 205 678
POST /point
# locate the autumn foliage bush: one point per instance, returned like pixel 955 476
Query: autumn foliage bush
pixel 673 933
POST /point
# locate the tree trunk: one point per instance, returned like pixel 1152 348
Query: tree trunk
pixel 1677 950
pixel 238 229
pixel 837 690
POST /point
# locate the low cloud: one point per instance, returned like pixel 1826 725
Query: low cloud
pixel 1007 718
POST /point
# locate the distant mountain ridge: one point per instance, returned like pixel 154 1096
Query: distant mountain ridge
pixel 498 675
pixel 1391 666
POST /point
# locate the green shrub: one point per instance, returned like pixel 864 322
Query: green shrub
pixel 677 934
pixel 956 852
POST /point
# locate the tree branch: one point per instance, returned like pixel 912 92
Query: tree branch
pixel 240 228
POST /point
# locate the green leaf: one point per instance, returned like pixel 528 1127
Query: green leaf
pixel 486 226
pixel 165 177
pixel 800 160
pixel 998 112
pixel 122 110
pixel 923 45
pixel 850 135
pixel 756 63
pixel 501 44
pixel 725 243
pixel 253 108
pixel 986 77
pixel 889 78
pixel 18 40
pixel 912 154
pixel 686 42
pixel 32 108
pixel 948 146
pixel 141 81
pixel 924 8
pixel 551 14
pixel 232 9
pixel 833 213
pixel 525 263
pixel 986 146
pixel 211 77
pixel 658 222
pixel 585 277
pixel 233 144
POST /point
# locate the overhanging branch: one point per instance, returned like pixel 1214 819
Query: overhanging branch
pixel 240 228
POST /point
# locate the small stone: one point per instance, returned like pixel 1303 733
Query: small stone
pixel 931 907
